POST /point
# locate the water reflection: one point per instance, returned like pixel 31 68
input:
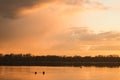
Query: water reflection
pixel 58 73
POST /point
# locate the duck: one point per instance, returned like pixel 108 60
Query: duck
pixel 43 72
pixel 35 73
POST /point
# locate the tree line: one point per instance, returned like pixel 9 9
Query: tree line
pixel 53 60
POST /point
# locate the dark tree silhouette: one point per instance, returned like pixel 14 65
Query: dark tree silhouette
pixel 52 60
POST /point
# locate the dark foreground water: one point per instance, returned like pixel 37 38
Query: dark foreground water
pixel 58 73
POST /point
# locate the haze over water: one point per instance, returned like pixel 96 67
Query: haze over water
pixel 58 73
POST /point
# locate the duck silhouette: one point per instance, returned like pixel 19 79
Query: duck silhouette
pixel 35 73
pixel 43 72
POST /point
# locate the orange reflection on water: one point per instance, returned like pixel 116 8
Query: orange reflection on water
pixel 58 73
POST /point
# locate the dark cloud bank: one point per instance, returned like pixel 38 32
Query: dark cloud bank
pixel 10 8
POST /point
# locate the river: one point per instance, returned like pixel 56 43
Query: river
pixel 58 73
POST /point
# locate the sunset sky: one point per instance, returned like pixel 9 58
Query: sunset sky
pixel 60 27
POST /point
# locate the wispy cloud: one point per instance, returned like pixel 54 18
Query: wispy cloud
pixel 84 34
pixel 77 38
pixel 87 4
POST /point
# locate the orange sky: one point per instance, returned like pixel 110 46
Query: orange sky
pixel 60 27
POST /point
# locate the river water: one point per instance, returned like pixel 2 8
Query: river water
pixel 58 73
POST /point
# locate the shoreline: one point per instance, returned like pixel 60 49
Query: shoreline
pixel 71 64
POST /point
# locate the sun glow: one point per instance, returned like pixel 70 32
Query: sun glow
pixel 98 20
pixel 103 20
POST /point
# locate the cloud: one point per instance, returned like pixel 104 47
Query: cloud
pixel 82 38
pixel 87 4
pixel 105 48
pixel 88 35
pixel 84 34
pixel 43 30
pixel 11 8
pixel 10 29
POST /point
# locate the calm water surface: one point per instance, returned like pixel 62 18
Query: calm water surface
pixel 58 73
